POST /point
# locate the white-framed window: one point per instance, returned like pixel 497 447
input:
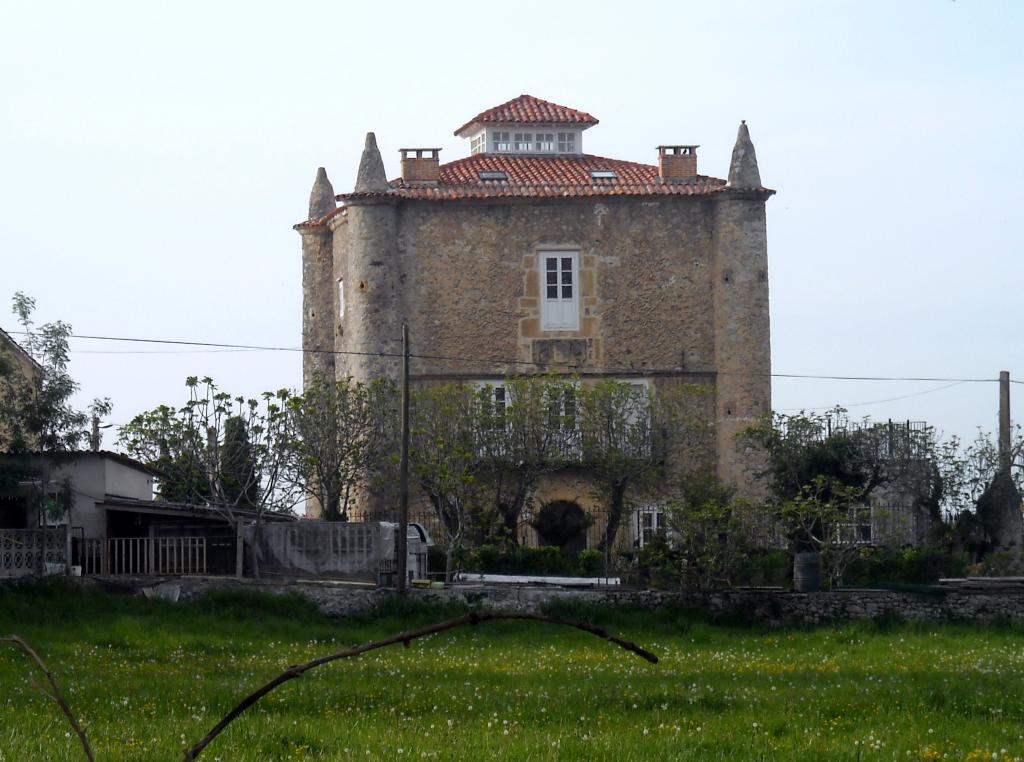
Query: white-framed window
pixel 502 141
pixel 650 522
pixel 341 297
pixel 563 418
pixel 544 142
pixel 521 141
pixel 496 398
pixel 493 400
pixel 639 400
pixel 559 291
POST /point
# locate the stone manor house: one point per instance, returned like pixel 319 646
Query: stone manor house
pixel 534 252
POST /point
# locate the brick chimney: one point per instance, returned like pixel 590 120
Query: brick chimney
pixel 420 168
pixel 677 164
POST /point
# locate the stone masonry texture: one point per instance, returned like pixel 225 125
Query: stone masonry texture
pixel 672 290
pixel 772 608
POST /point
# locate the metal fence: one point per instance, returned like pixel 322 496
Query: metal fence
pixel 139 556
pixel 32 551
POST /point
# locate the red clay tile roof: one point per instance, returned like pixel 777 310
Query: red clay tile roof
pixel 537 177
pixel 527 109
pixel 546 176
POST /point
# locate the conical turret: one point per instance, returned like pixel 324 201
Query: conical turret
pixel 321 198
pixel 371 177
pixel 743 172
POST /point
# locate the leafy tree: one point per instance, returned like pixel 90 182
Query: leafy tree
pixel 706 530
pixel 977 491
pixel 227 452
pixel 527 430
pixel 626 437
pixel 445 459
pixel 36 411
pixel 340 435
pixel 823 518
pixel 237 467
pixel 822 470
pixel 36 414
pixel 803 449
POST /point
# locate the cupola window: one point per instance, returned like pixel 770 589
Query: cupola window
pixel 502 142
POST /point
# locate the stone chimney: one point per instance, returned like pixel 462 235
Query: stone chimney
pixel 677 164
pixel 421 165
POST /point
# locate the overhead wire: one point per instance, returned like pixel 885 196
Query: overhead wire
pixel 211 346
pixel 875 402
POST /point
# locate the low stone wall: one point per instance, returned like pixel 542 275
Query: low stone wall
pixel 767 607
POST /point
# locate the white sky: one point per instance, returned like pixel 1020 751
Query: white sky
pixel 153 159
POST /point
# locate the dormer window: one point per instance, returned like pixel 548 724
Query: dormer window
pixel 567 142
pixel 544 142
pixel 478 144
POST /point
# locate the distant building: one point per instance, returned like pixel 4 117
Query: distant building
pixel 112 525
pixel 532 255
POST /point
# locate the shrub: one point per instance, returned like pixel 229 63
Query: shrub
pixel 908 566
pixel 543 561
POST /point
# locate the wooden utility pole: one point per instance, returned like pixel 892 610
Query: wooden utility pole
pixel 1004 420
pixel 403 475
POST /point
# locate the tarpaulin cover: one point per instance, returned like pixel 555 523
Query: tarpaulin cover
pixel 331 549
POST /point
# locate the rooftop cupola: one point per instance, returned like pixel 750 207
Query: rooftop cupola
pixel 743 171
pixel 527 125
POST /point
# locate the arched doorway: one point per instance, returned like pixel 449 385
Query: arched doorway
pixel 562 524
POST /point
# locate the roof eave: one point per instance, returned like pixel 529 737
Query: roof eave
pixel 471 128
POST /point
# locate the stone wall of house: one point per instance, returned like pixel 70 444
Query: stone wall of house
pixel 645 283
pixel 770 608
pixel 741 328
pixel 318 305
pixel 672 288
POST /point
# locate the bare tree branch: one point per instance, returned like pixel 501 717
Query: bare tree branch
pixel 405 638
pixel 56 696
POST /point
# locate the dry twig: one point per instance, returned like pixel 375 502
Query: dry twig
pixel 56 696
pixel 405 638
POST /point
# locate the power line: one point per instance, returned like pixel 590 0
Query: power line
pixel 505 361
pixel 877 402
pixel 159 351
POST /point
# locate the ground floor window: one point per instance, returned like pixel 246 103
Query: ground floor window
pixel 650 523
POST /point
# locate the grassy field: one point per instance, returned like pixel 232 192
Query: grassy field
pixel 148 678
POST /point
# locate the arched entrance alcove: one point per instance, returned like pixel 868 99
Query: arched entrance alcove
pixel 562 524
